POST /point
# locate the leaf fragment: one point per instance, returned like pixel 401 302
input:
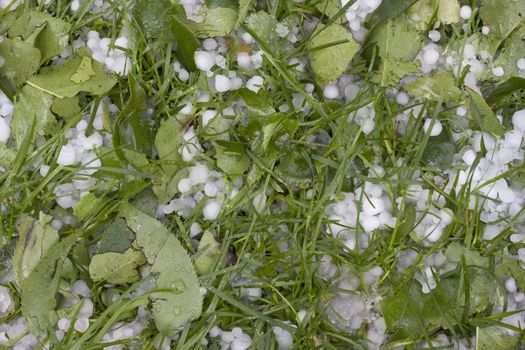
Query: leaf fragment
pixel 117 268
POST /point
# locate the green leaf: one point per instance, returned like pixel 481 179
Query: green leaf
pixel 218 21
pixel 330 8
pixel 330 51
pixel 116 268
pixel 455 251
pixel 84 71
pixel 167 143
pixel 187 44
pixel 504 89
pixel 440 85
pixel 398 43
pixel 57 79
pixel 511 267
pixel 231 157
pixel 174 270
pixel 513 49
pixel 263 24
pixel 52 38
pixel 32 104
pixel 294 168
pixel 87 205
pixel 117 237
pixel 245 6
pixel 502 19
pixel 388 10
pixel 164 21
pixel 35 239
pixel 208 252
pixel 66 108
pixel 22 60
pixel 483 115
pixel 448 11
pixel 492 338
pixel 38 296
pixel 7 156
pixel 422 13
pixel 259 102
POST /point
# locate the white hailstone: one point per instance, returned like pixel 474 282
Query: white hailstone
pixel 199 174
pixel 431 56
pixel 518 119
pixel 184 185
pixel 75 5
pixel 2 61
pixel 122 42
pixel 195 229
pixel 434 35
pixel 373 206
pixel 469 157
pixel 209 44
pixel 521 64
pixel 485 30
pixel 183 75
pixel 211 210
pixel 244 60
pixel 283 338
pixel 210 189
pixel 498 71
pixel 5 130
pixel 203 60
pixel 461 111
pixel 351 91
pixel 220 61
pixel 510 285
pixel 44 169
pixel 80 288
pixel 301 315
pixel 67 155
pixel 6 302
pixel 63 324
pixel 402 98
pixel 436 128
pixel 259 202
pixel 506 195
pixel 82 324
pixel 465 12
pixel 247 37
pixel 369 223
pixel 222 83
pixel 215 332
pixel 255 83
pixel 207 116
pixel 331 91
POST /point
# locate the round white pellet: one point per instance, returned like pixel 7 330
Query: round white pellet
pixel 207 116
pixel 222 83
pixel 75 5
pixel 209 44
pixel 211 210
pixel 461 111
pixel 436 128
pixel 431 56
pixel 331 91
pixel 82 324
pixel 434 35
pixel 244 60
pixel 183 75
pixel 255 83
pixel 521 64
pixel 402 98
pixel 195 229
pixel 199 174
pixel 5 130
pixel 469 157
pixel 67 155
pixel 184 185
pixel 498 71
pixel 465 12
pixel 214 332
pixel 518 119
pixel 203 60
pixel 485 30
pixel 510 285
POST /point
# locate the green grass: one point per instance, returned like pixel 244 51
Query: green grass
pixel 250 240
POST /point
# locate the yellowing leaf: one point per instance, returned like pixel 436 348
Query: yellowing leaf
pixel 448 11
pixel 207 252
pixel 84 71
pixel 331 50
pixel 117 268
pixel 173 269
